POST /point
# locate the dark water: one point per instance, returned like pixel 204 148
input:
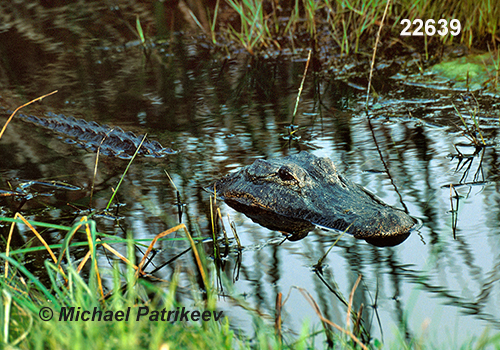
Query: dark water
pixel 222 112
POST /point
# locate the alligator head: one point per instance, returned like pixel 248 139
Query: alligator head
pixel 296 193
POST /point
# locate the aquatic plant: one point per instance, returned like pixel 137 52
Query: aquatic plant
pixel 472 133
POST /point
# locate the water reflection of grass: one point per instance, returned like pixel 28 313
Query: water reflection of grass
pixel 26 301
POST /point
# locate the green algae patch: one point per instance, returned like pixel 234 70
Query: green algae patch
pixel 474 72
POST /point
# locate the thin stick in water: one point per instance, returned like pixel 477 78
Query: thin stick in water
pixel 24 105
pixel 375 53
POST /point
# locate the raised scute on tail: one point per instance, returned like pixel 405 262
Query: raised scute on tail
pixel 92 136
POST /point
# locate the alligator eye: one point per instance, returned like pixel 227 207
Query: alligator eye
pixel 286 175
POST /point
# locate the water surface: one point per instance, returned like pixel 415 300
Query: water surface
pixel 222 113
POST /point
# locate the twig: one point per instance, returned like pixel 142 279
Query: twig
pixel 40 238
pixel 320 261
pixel 315 306
pixel 24 105
pixel 351 297
pixel 193 247
pixel 95 167
pixel 277 320
pixel 375 53
pixel 125 172
pixel 301 86
pixel 386 167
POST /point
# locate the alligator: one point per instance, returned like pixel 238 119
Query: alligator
pixel 297 193
pixel 110 141
pixel 293 194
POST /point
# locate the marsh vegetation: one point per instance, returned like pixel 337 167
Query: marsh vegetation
pixel 223 83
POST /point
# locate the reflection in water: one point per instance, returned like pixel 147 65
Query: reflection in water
pixel 223 113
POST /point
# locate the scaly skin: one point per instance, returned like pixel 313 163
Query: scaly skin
pixel 296 193
pixel 110 141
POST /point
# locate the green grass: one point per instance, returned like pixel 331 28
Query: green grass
pixel 24 296
pixel 23 328
pixel 254 29
pixel 351 24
